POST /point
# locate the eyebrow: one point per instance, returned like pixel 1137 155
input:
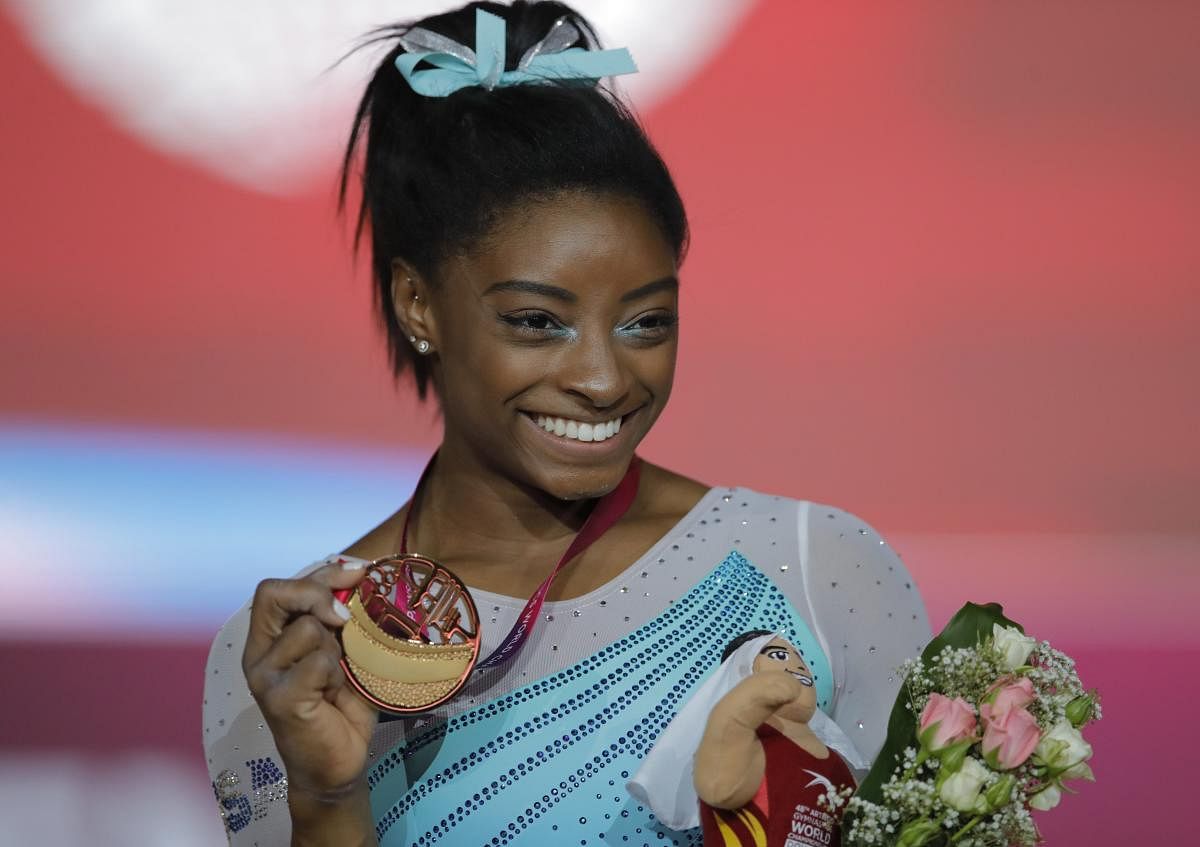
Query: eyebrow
pixel 526 286
pixel 667 283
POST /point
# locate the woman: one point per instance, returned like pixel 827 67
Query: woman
pixel 526 243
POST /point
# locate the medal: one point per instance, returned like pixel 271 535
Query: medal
pixel 412 640
pixel 413 635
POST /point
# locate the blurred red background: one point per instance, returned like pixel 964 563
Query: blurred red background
pixel 944 274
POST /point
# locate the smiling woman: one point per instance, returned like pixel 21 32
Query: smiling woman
pixel 526 242
pixel 579 329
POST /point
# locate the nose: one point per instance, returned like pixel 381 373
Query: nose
pixel 595 373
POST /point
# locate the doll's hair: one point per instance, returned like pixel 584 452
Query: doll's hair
pixel 742 639
pixel 438 173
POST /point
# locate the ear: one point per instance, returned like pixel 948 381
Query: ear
pixel 411 301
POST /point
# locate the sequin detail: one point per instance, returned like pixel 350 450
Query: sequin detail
pixel 530 764
pixel 268 784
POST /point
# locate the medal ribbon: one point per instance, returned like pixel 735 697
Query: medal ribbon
pixel 608 510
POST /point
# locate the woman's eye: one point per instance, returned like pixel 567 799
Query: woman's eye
pixel 778 655
pixel 536 322
pixel 651 325
pixel 533 323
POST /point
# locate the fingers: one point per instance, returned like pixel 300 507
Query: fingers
pixel 277 601
pixel 301 688
pixel 355 707
pixel 302 636
pixel 340 572
pixel 319 671
pixel 303 661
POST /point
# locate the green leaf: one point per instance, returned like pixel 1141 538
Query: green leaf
pixel 953 756
pixel 969 626
pixel 1000 792
pixel 918 833
pixel 1080 771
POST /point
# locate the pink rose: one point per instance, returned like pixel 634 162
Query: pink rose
pixel 1009 737
pixel 945 722
pixel 1007 694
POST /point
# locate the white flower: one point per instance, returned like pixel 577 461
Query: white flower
pixel 1046 799
pixel 1012 645
pixel 1062 749
pixel 961 790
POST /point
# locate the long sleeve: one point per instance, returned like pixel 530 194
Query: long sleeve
pixel 868 614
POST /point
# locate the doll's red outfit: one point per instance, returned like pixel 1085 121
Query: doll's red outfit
pixel 785 811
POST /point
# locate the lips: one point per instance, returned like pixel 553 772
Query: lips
pixel 804 678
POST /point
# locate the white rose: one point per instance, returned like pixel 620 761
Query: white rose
pixel 960 791
pixel 1046 799
pixel 1013 645
pixel 1062 749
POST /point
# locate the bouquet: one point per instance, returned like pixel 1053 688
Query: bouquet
pixel 986 726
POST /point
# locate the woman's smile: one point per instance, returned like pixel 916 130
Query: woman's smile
pixel 581 430
pixel 579 439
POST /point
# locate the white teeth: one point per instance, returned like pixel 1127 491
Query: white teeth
pixel 578 430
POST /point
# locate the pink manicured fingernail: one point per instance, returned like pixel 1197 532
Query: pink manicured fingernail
pixel 339 609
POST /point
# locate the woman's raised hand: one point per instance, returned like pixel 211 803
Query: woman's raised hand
pixel 292 659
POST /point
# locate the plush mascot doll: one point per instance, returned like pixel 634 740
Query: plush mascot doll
pixel 750 754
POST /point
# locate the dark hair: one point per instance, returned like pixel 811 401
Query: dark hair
pixel 742 639
pixel 438 172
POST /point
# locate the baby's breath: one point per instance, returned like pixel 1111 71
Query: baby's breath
pixel 965 672
pixel 834 799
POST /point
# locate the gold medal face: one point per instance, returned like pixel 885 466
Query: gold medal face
pixel 413 634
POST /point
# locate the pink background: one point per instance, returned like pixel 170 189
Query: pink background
pixel 945 274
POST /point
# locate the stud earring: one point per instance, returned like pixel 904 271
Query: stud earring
pixel 422 346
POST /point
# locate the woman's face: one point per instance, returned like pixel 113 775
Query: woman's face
pixel 780 655
pixel 555 342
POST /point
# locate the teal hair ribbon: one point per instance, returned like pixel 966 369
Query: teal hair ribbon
pixel 456 66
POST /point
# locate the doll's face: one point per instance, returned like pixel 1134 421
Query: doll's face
pixel 780 655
